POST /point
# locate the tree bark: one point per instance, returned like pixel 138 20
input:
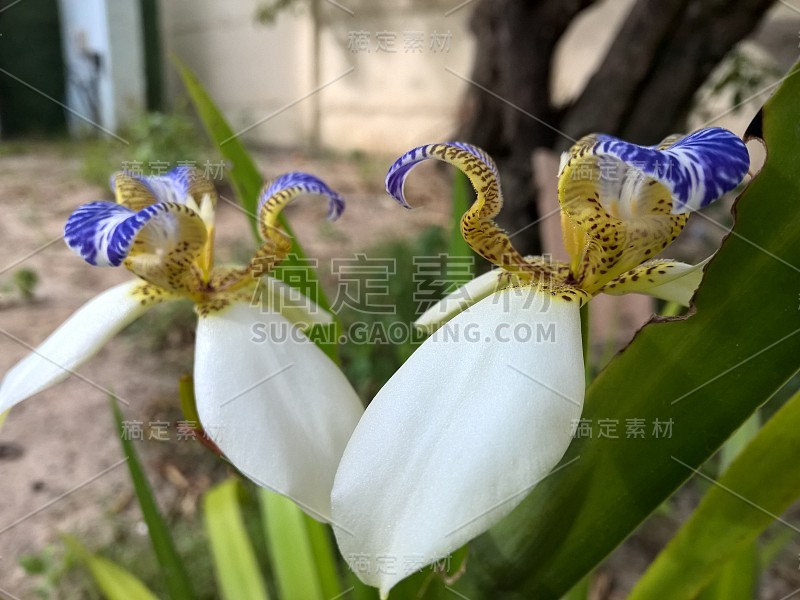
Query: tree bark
pixel 516 41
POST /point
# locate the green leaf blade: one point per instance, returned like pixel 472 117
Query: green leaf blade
pixel 235 563
pixel 290 548
pixel 760 484
pixel 176 578
pixel 115 582
pixel 247 183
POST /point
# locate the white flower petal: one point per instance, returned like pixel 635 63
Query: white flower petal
pixel 459 300
pixel 668 280
pixel 274 403
pixel 478 415
pixel 76 340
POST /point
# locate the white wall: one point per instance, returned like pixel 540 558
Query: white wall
pixel 386 101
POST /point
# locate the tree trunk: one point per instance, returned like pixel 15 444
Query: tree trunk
pixel 516 41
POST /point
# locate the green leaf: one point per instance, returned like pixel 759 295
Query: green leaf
pixel 739 576
pixel 739 441
pixel 175 576
pixel 114 581
pixel 737 579
pixel 580 591
pixel 706 374
pixel 319 536
pixel 242 171
pixel 187 400
pixel 247 183
pixel 235 564
pixel 761 483
pixel 771 548
pixel 356 590
pixel 290 549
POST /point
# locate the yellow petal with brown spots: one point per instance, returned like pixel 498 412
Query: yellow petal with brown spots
pixel 668 280
pixel 616 217
pixel 477 225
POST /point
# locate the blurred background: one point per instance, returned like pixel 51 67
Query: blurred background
pixel 339 89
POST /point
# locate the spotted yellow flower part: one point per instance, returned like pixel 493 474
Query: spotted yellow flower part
pixel 161 228
pixel 477 225
pixel 621 205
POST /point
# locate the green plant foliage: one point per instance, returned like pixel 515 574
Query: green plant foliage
pixel 290 548
pixel 235 564
pixel 26 281
pixel 175 576
pixel 379 342
pixel 738 578
pixel 706 374
pixel 761 482
pixel 325 556
pixel 113 581
pixel 157 142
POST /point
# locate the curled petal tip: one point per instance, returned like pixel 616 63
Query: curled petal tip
pixel 287 187
pixel 137 191
pixel 396 176
pixel 696 169
pixel 103 233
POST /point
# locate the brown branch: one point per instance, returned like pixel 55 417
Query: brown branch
pixel 612 91
pixel 664 52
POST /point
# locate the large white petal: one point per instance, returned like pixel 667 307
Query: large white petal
pixel 274 403
pixel 76 340
pixel 478 415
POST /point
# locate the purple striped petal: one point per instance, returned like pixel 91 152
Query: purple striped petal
pixel 103 233
pixel 396 177
pixel 697 169
pixel 287 187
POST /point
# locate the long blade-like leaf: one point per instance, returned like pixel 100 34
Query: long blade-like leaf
pixel 247 182
pixel 320 537
pixel 241 170
pixel 235 564
pixel 737 579
pixel 691 381
pixel 114 582
pixel 760 484
pixel 290 548
pixel 175 576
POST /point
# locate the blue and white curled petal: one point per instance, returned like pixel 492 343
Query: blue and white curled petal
pixel 287 187
pixel 396 177
pixel 103 233
pixel 697 169
pixel 176 186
